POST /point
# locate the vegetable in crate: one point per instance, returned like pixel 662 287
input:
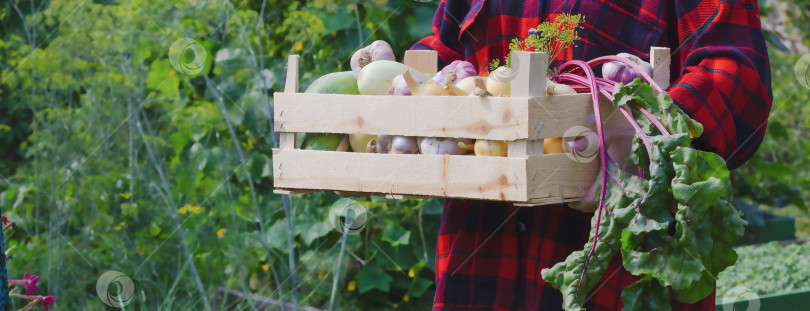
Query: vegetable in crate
pixel 437 145
pixel 404 145
pixel 335 83
pixel 619 72
pixel 332 83
pixel 378 77
pixel 393 144
pixel 469 84
pixel 499 81
pixel 384 143
pixel 553 145
pixel 359 142
pixel 400 88
pixel 326 142
pixel 375 76
pixel 492 148
pixel 377 50
pixel 457 70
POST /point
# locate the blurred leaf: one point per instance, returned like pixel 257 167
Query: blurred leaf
pixel 309 231
pixel 753 214
pixel 164 78
pixel 419 286
pixel 434 207
pixel 395 234
pixel 777 130
pixel 372 277
pixel 277 235
pixel 774 169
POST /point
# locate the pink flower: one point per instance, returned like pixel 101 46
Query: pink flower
pixel 29 282
pixel 31 287
pixel 47 301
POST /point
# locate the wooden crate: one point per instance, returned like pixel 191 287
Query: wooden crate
pixel 525 176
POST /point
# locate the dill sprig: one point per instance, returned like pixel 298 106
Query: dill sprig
pixel 551 38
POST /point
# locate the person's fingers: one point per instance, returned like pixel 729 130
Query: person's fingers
pixel 588 202
pixel 618 143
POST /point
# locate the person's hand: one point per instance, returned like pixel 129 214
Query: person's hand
pixel 619 144
pixel 348 194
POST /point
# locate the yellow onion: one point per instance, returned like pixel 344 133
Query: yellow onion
pixel 553 145
pixel 469 84
pixel 377 77
pixel 492 148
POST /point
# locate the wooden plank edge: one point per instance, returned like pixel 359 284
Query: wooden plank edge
pixel 314 169
pixel 390 196
pixel 407 197
pixel 294 191
pixel 387 195
pixel 548 201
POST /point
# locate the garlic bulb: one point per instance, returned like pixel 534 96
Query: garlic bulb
pixel 377 50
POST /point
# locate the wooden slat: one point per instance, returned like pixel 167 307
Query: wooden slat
pixel 547 201
pixel 434 116
pixel 496 118
pixel 293 191
pixel 556 178
pixel 525 147
pixel 406 197
pixel 660 61
pixel 493 178
pixel 530 76
pixel 426 61
pixel 529 81
pixel 287 140
pixel 291 84
pixel 553 116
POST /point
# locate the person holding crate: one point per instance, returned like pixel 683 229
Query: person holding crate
pixel 489 254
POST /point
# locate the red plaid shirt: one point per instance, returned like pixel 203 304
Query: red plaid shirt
pixel 489 255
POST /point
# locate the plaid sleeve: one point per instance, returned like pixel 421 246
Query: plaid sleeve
pixel 447 22
pixel 725 81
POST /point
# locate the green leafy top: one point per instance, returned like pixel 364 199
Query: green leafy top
pixel 552 38
pixel 674 225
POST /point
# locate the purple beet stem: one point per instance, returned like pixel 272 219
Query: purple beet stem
pixel 603 86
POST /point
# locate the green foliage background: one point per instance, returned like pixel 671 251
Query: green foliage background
pixel 104 143
pixel 111 159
